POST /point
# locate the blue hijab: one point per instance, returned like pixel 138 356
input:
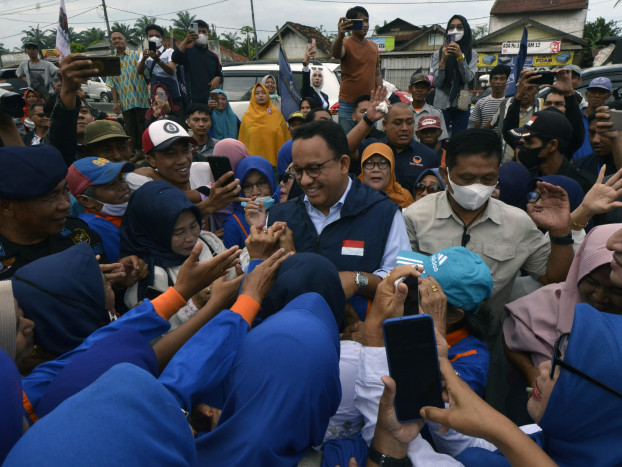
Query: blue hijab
pixel 125 417
pixel 580 425
pixel 12 421
pixel 148 223
pixel 572 187
pixel 64 295
pixel 514 181
pixel 225 123
pixel 283 388
pixel 261 165
pixel 302 273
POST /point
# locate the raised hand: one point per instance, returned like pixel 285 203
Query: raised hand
pixel 552 211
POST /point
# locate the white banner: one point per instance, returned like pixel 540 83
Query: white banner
pixel 533 47
pixel 62 32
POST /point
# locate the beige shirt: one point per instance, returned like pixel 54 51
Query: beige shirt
pixel 504 236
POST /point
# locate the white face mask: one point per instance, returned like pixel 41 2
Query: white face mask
pixel 458 34
pixel 202 40
pixel 471 197
pixel 157 40
pixel 116 210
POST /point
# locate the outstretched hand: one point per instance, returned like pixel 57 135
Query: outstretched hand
pixel 257 284
pixel 603 197
pixel 552 211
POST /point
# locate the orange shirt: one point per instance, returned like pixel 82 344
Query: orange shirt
pixel 358 69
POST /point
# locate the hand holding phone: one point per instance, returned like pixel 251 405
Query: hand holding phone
pixel 615 117
pixel 449 39
pixel 357 24
pixel 153 47
pixel 105 66
pixel 220 165
pixel 546 77
pixel 195 27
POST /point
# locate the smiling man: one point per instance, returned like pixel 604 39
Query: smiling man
pixel 356 227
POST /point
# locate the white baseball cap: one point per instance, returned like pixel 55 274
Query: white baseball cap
pixel 161 134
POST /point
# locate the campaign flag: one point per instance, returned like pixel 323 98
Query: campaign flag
pixel 510 86
pixel 62 32
pixel 290 97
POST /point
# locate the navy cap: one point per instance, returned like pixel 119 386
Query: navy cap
pixel 602 83
pixel 28 172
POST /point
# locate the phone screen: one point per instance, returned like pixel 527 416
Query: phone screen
pixel 105 65
pixel 357 24
pixel 152 46
pixel 220 165
pixel 195 27
pixel 449 39
pixel 546 78
pixel 413 364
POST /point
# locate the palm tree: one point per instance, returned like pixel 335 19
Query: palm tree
pixel 247 31
pixel 232 39
pixel 128 31
pixel 183 21
pixel 36 35
pixel 89 36
pixel 141 23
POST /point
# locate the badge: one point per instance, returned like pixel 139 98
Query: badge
pixel 353 247
pixel 6 264
pixel 170 128
pixel 80 236
pixel 269 111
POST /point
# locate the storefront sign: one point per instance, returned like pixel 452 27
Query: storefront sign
pixel 544 60
pixel 50 53
pixel 533 47
pixel 385 44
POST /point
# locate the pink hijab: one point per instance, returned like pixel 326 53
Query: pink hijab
pixel 534 322
pixel 233 149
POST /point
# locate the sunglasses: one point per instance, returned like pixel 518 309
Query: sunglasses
pixel 560 344
pixel 532 197
pixel 40 115
pixel 432 188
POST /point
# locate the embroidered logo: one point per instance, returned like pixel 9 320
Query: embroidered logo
pixel 170 128
pixel 80 236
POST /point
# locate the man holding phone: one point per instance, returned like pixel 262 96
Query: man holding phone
pixel 360 62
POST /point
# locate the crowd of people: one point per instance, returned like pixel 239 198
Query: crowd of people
pixel 151 313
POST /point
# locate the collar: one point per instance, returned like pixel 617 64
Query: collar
pixel 454 337
pixel 493 211
pixel 116 220
pixel 338 204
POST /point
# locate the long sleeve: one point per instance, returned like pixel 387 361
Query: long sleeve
pixel 306 82
pixel 180 58
pixel 62 132
pixel 467 70
pixel 439 74
pixel 510 122
pixel 574 116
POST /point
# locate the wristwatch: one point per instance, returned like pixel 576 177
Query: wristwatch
pixel 460 58
pixel 367 119
pixel 387 461
pixel 360 279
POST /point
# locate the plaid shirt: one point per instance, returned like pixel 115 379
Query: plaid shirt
pixel 131 87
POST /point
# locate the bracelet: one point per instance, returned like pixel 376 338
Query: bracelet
pixel 577 225
pixel 567 240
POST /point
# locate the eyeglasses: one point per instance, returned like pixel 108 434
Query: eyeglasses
pixel 432 188
pixel 532 197
pixel 261 185
pixel 557 360
pixel 40 115
pixel 382 164
pixel 312 171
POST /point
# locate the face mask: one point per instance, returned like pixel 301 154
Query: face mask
pixel 157 40
pixel 268 201
pixel 161 95
pixel 202 40
pixel 457 33
pixel 116 210
pixel 529 157
pixel 473 196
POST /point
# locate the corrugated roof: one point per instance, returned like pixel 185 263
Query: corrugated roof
pixel 522 6
pixel 311 33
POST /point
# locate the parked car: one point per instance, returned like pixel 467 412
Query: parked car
pixel 96 89
pixel 240 79
pixel 8 76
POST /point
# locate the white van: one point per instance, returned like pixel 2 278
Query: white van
pixel 240 79
pixel 95 88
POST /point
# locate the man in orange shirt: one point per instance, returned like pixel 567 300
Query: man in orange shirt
pixel 360 62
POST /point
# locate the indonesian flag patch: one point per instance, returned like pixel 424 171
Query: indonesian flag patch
pixel 353 247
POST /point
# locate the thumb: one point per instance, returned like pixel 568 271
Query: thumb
pixel 434 414
pixel 388 395
pixel 196 251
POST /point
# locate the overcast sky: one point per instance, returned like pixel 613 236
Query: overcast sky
pixel 230 15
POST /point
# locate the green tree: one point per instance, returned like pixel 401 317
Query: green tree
pixel 184 20
pixel 593 32
pixel 324 32
pixel 231 40
pixel 128 31
pixel 77 48
pixel 90 36
pixel 36 35
pixel 247 31
pixel 141 23
pixel 480 31
pixel 3 50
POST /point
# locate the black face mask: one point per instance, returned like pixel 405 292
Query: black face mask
pixel 529 157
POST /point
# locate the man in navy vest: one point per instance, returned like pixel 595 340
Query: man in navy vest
pixel 356 227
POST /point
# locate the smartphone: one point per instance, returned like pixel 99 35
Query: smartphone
pixel 195 27
pixel 220 165
pixel 546 78
pixel 313 43
pixel 357 24
pixel 152 46
pixel 449 39
pixel 152 293
pixel 616 119
pixel 413 364
pixel 106 66
pixel 411 305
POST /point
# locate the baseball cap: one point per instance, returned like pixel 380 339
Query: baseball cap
pixel 601 82
pixel 551 123
pixel 574 68
pixel 161 134
pixel 101 130
pixel 463 275
pixel 420 77
pixel 30 45
pixel 296 116
pixel 429 121
pixel 93 171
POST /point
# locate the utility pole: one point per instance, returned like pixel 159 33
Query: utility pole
pixel 254 30
pixel 108 26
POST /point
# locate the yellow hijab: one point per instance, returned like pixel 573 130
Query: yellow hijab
pixel 263 129
pixel 395 191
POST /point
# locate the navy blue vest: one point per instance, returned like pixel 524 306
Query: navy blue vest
pixel 355 242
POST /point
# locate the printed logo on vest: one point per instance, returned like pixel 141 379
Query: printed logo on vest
pixel 417 161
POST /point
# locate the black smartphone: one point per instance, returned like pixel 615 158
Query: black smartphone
pixel 449 39
pixel 357 24
pixel 152 293
pixel 152 46
pixel 106 65
pixel 411 305
pixel 220 165
pixel 413 364
pixel 546 78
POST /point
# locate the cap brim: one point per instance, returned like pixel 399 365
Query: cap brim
pixel 107 137
pixel 604 88
pixel 115 169
pixel 167 144
pixel 297 119
pixel 413 258
pixel 421 81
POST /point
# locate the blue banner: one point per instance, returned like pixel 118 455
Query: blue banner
pixel 510 87
pixel 290 97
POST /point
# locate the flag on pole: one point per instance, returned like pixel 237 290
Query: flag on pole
pixel 290 97
pixel 62 33
pixel 510 86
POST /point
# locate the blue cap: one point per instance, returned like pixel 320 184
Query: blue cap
pixel 601 82
pixel 574 68
pixel 93 171
pixel 463 275
pixel 29 172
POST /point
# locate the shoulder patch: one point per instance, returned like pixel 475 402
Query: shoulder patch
pixel 6 264
pixel 79 236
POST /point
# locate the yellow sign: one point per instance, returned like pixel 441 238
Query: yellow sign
pixel 488 60
pixel 538 61
pixel 50 53
pixel 564 58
